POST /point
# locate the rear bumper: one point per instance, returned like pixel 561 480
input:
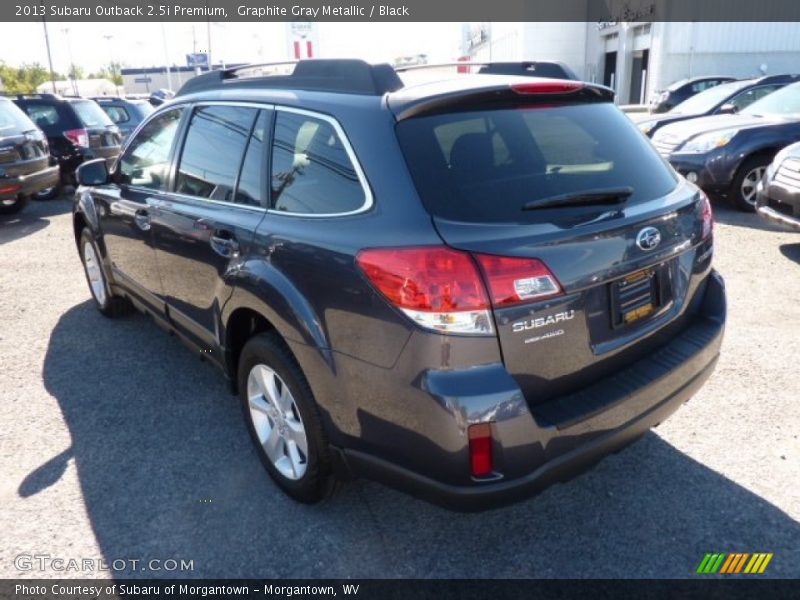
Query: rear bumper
pixel 31 183
pixel 571 434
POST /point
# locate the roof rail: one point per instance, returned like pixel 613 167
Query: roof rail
pixel 43 96
pixel 528 68
pixel 349 76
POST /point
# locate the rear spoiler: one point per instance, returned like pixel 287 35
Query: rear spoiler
pixel 512 93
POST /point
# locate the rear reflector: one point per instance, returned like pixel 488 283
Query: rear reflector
pixel 517 280
pixel 437 287
pixel 79 137
pixel 707 215
pixel 547 87
pixel 480 449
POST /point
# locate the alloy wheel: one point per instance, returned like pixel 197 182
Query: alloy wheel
pixel 277 422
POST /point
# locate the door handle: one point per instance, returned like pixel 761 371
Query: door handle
pixel 224 243
pixel 142 219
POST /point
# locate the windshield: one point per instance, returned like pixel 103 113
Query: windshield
pixel 674 86
pixel 784 102
pixel 486 166
pixel 90 114
pixel 12 119
pixel 708 99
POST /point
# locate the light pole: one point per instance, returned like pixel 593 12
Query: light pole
pixel 108 37
pixel 71 73
pixel 49 56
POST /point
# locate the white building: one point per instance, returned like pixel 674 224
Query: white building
pixel 638 58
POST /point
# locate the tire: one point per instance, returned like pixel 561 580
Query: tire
pixel 110 305
pixel 277 425
pixel 746 179
pixel 10 209
pixel 48 193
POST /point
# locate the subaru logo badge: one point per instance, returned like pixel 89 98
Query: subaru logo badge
pixel 648 238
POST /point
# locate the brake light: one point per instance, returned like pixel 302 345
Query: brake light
pixel 480 449
pixel 707 216
pixel 10 189
pixel 547 87
pixel 437 287
pixel 79 137
pixel 515 280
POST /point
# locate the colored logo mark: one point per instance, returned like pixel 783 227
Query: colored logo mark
pixel 732 563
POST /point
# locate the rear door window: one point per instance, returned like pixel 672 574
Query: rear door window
pixel 213 151
pixel 486 165
pixel 47 117
pixel 252 179
pixel 312 172
pixel 116 113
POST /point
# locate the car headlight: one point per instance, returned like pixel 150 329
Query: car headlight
pixel 708 141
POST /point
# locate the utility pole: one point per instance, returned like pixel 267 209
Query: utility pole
pixel 71 74
pixel 49 57
pixel 166 56
pixel 208 33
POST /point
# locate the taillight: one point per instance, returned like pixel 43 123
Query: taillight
pixel 480 449
pixel 10 189
pixel 516 280
pixel 707 216
pixel 547 87
pixel 79 137
pixel 438 288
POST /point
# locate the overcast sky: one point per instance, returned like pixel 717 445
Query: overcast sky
pixel 142 44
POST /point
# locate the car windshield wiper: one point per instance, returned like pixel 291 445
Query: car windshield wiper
pixel 599 196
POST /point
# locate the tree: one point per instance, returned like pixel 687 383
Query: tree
pixel 25 78
pixel 75 72
pixel 112 72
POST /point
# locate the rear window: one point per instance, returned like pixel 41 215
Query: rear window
pixel 90 114
pixel 12 119
pixel 485 166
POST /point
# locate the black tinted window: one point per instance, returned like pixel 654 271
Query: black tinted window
pixel 485 166
pixel 252 177
pixel 90 114
pixel 45 116
pixel 311 170
pixel 146 160
pixel 213 151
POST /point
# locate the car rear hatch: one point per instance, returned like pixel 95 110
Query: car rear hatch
pixel 103 136
pixel 586 240
pixel 23 148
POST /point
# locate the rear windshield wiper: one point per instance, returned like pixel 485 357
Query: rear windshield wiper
pixel 589 197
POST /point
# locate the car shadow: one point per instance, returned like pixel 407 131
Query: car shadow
pixel 791 251
pixel 727 215
pixel 33 217
pixel 167 472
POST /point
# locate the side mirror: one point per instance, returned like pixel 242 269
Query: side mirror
pixel 728 109
pixel 93 172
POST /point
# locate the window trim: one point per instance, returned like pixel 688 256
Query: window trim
pixel 369 200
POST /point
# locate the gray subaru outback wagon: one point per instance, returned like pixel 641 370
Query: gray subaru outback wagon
pixel 467 289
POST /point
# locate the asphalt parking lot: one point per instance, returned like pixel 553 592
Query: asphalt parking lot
pixel 118 443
